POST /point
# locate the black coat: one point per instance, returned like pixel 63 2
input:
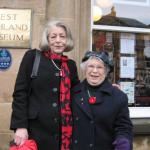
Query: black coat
pixel 36 101
pixel 96 126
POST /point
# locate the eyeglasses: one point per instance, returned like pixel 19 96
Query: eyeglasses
pixel 92 67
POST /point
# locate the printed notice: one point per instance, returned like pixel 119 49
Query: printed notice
pixel 128 88
pixel 127 43
pixel 127 67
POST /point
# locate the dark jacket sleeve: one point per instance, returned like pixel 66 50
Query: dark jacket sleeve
pixel 21 92
pixel 123 126
pixel 73 73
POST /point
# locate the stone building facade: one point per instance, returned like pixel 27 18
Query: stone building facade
pixel 75 13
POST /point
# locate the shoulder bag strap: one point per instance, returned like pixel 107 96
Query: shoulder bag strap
pixel 36 64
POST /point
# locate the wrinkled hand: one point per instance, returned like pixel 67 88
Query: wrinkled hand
pixel 20 136
pixel 117 86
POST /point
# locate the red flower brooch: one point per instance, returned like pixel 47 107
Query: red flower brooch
pixel 92 100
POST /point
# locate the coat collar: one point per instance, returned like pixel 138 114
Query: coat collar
pixel 106 87
pixel 80 93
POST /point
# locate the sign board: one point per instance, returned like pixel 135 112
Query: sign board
pixel 15 28
pixel 5 59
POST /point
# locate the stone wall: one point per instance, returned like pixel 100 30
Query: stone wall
pixel 75 13
pixel 7 78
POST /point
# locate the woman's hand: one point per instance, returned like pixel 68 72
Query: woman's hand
pixel 20 136
pixel 117 86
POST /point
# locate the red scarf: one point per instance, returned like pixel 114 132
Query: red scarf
pixel 65 102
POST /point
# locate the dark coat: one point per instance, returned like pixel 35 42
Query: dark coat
pixel 36 101
pixel 96 126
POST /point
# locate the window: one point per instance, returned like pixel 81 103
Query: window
pixel 125 35
pixel 133 2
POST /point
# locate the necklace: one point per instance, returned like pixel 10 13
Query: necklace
pixel 92 99
pixel 60 71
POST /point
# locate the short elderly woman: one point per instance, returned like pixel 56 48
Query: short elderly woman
pixel 100 111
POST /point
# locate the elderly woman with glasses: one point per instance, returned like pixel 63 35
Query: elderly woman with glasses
pixel 100 111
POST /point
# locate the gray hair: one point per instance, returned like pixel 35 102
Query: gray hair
pixel 44 44
pixel 83 65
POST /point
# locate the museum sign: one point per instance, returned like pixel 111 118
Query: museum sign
pixel 15 28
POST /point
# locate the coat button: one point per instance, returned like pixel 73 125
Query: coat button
pixel 75 141
pixel 91 122
pixel 91 145
pixel 55 120
pixel 54 104
pixel 54 89
pixel 77 118
pixel 57 74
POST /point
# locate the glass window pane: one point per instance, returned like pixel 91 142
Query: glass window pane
pixel 122 28
pixel 131 55
pixel 125 13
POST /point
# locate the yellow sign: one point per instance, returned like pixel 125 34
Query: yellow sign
pixel 15 28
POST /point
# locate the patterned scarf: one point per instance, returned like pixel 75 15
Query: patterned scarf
pixel 65 102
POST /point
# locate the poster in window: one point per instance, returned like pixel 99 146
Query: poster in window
pixel 128 88
pixel 127 67
pixel 127 43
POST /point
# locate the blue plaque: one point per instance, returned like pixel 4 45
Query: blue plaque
pixel 5 59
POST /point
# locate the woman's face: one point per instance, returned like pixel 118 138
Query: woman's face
pixel 95 72
pixel 57 40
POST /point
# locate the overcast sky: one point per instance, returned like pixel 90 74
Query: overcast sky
pixel 135 9
pixel 141 13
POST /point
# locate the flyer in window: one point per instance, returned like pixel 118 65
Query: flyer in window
pixel 127 67
pixel 128 88
pixel 127 43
